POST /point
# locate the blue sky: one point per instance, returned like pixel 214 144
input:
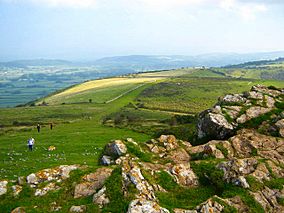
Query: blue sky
pixel 90 29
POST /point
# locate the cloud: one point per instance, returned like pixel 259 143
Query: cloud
pixel 58 3
pixel 247 10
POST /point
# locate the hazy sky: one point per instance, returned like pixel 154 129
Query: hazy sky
pixel 89 29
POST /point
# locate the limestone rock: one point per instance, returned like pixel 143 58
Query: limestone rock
pixel 261 173
pixel 78 209
pixel 268 199
pixel 237 203
pixel 214 126
pixel 265 90
pixel 115 149
pixel 100 198
pixel 46 189
pixel 145 206
pixel 3 187
pixel 21 180
pixel 32 179
pixel 256 111
pixel 280 125
pixel 131 173
pixel 16 189
pixel 106 160
pixel 92 182
pixel 168 141
pixel 184 175
pixel 184 211
pixel 178 156
pixel 18 210
pixel 210 206
pixel 235 170
pixel 51 174
pixel 211 149
pixel 234 98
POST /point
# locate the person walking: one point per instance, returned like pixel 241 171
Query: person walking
pixel 31 143
pixel 38 128
pixel 51 126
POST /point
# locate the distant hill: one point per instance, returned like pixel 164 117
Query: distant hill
pixel 35 62
pixel 254 64
pixel 134 63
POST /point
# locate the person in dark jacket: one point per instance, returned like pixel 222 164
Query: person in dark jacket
pixel 38 128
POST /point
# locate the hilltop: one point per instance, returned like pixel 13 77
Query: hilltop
pixel 238 168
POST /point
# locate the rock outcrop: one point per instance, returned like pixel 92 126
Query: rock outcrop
pixel 92 182
pixel 223 119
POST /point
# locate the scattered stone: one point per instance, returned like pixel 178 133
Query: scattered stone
pixel 46 189
pixel 210 206
pixel 18 210
pixel 51 148
pixel 92 182
pixel 21 180
pixel 168 141
pixel 268 199
pixel 3 187
pixel 235 170
pixel 54 207
pixel 143 205
pixel 184 175
pixel 78 209
pixel 16 189
pixel 106 160
pixel 32 179
pixel 100 198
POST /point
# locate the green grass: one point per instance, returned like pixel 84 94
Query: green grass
pixel 179 197
pixel 192 95
pixel 78 141
pixel 63 197
pixel 119 203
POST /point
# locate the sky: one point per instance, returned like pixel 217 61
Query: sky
pixel 91 29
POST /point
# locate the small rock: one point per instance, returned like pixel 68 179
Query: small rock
pixel 142 205
pixel 21 180
pixel 106 160
pixel 3 187
pixel 18 210
pixel 16 189
pixel 32 179
pixel 115 149
pixel 184 175
pixel 100 198
pixel 47 188
pixel 78 209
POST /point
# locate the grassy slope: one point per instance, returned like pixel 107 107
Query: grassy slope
pixel 79 135
pixel 80 139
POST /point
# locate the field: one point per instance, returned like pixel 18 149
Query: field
pixel 142 106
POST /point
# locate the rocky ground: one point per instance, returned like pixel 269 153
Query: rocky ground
pixel 242 162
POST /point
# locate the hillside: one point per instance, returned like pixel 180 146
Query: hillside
pixel 237 168
pixel 87 116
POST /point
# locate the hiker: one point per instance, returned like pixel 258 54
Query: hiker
pixel 38 128
pixel 51 126
pixel 31 142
